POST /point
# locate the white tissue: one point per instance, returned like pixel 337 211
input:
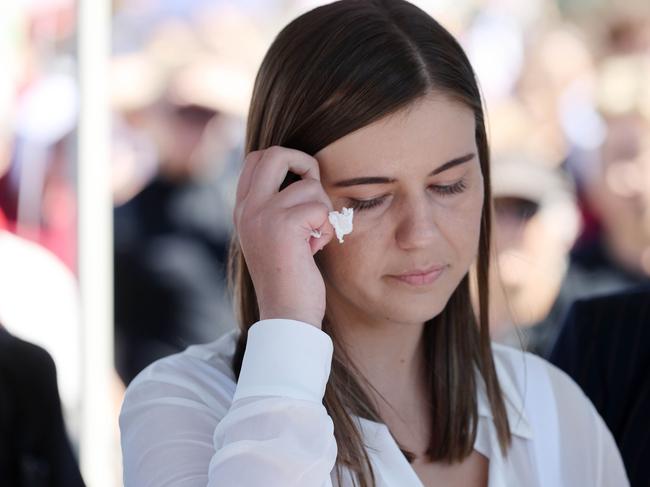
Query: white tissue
pixel 342 223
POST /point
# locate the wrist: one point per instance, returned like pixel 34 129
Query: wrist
pixel 291 314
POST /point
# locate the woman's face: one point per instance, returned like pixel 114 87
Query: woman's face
pixel 419 207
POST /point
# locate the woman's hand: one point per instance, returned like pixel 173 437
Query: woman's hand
pixel 274 228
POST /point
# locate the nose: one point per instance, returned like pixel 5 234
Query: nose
pixel 417 227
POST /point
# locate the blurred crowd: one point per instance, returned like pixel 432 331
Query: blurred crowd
pixel 567 90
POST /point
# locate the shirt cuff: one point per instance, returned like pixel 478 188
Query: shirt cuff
pixel 285 358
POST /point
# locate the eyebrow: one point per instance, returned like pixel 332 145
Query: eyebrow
pixel 384 180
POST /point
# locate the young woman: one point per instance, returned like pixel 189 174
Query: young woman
pixel 362 362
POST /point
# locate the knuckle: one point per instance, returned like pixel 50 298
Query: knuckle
pixel 274 151
pixel 311 185
pixel 318 208
pixel 251 156
pixel 323 209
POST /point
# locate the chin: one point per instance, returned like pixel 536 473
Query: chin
pixel 410 312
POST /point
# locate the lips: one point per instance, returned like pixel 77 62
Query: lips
pixel 421 272
pixel 421 277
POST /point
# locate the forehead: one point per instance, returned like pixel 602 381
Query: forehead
pixel 424 135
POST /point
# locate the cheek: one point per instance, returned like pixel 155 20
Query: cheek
pixel 356 257
pixel 336 258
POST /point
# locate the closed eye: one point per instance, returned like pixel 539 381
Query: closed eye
pixel 443 190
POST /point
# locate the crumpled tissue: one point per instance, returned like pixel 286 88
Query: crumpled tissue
pixel 342 223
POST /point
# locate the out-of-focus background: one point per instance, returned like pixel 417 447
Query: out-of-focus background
pixel 567 89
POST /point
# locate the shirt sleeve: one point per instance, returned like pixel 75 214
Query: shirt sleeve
pixel 189 429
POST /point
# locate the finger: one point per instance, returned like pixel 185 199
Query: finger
pixel 273 167
pixel 326 234
pixel 306 217
pixel 303 191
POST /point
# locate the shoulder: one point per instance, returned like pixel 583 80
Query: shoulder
pixel 569 438
pixel 170 413
pixel 534 384
pixel 555 408
pixel 27 370
pixel 201 376
pixel 523 370
pixel 24 356
pixel 605 333
pixel 626 309
pixel 635 295
pixel 633 305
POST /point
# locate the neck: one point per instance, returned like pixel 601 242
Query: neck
pixel 388 354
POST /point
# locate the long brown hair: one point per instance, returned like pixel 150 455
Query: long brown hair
pixel 329 72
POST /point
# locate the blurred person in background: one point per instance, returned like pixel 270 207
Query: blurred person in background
pixel 171 238
pixel 614 179
pixel 39 300
pixel 536 222
pixel 37 191
pixel 605 347
pixel 34 448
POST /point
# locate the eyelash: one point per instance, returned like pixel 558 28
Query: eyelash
pixel 447 190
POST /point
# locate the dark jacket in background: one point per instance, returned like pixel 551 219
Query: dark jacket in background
pixel 34 448
pixel 171 247
pixel 605 347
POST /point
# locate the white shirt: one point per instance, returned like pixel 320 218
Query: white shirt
pixel 185 422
